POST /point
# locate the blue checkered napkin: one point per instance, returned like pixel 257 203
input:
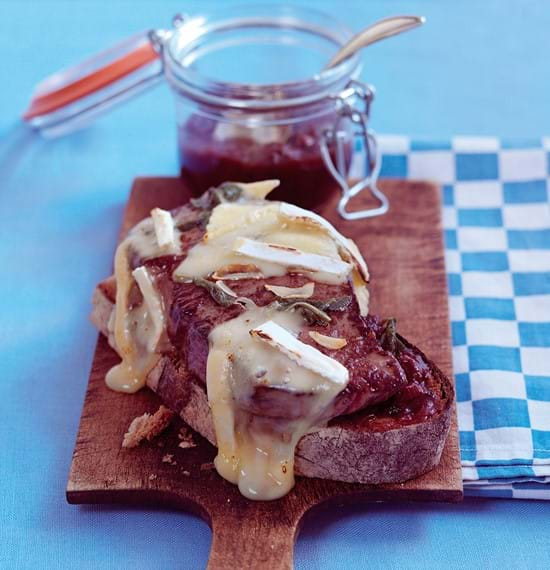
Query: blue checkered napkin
pixel 496 218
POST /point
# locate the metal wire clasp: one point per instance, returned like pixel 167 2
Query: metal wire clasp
pixel 353 107
pixel 159 37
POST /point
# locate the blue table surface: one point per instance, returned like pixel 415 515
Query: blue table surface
pixel 476 68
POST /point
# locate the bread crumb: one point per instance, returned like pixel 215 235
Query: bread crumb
pixel 152 477
pixel 168 458
pixel 147 427
pixel 186 439
pixel 207 466
pixel 186 473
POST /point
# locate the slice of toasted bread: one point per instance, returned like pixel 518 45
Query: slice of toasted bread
pixel 356 448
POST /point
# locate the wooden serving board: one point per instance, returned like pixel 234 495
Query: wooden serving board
pixel 404 250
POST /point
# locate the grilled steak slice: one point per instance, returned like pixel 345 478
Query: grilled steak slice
pixel 376 375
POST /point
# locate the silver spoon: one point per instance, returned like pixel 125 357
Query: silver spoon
pixel 378 31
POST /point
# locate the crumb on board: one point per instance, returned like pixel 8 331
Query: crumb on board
pixel 152 477
pixel 186 439
pixel 186 473
pixel 207 466
pixel 147 427
pixel 169 458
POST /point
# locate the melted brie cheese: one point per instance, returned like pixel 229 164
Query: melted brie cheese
pixel 303 292
pixel 137 331
pixel 305 355
pixel 259 350
pixel 260 222
pixel 256 363
pixel 324 268
pixel 257 190
pixel 153 305
pixel 144 237
pixel 164 228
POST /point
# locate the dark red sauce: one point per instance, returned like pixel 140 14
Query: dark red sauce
pixel 291 155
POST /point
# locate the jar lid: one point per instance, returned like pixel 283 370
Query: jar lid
pixel 74 96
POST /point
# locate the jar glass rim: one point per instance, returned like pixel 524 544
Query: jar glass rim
pixel 199 87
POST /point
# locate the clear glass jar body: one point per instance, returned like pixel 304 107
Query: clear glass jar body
pixel 251 146
pixel 253 131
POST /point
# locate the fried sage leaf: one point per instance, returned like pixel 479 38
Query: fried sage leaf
pixel 333 304
pixel 314 311
pixel 201 220
pixel 219 295
pixel 226 192
pixel 203 202
pixel 389 339
pixel 312 314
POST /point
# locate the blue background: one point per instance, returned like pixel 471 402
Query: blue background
pixel 475 68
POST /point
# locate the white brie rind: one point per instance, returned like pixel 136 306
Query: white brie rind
pixel 291 258
pixel 292 212
pixel 154 305
pixel 360 292
pixel 305 355
pixel 164 228
pixel 358 258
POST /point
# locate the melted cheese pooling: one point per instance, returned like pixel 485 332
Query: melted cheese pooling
pixel 138 330
pixel 256 445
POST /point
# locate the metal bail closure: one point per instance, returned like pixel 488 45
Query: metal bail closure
pixel 73 97
pixel 337 138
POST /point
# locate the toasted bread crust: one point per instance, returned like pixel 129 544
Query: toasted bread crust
pixel 342 451
pixel 103 301
pixel 147 427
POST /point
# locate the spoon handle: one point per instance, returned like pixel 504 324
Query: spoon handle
pixel 378 31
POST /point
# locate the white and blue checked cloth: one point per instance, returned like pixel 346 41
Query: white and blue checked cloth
pixel 496 218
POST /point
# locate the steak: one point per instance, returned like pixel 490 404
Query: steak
pixel 389 423
pixel 381 370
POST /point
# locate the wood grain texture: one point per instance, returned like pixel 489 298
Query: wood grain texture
pixel 404 250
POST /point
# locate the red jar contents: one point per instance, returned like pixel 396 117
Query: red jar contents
pixel 213 152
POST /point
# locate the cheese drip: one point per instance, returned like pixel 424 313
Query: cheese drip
pixel 255 445
pixel 134 328
pixel 138 330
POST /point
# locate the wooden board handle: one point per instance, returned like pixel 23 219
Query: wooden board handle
pixel 249 541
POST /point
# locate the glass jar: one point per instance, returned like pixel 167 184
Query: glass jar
pixel 270 123
pixel 252 100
